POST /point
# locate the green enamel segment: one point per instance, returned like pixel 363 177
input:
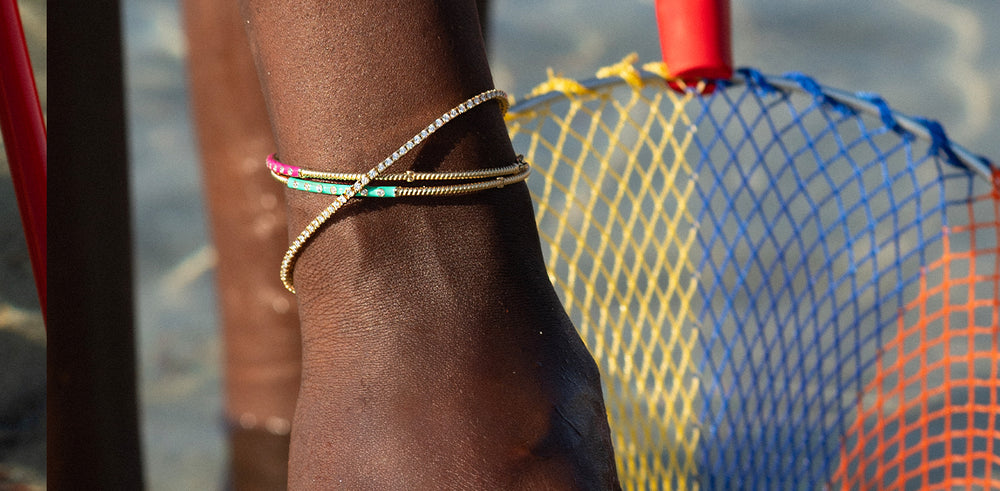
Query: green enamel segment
pixel 340 189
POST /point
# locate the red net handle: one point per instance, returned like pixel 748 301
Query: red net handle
pixel 23 131
pixel 695 38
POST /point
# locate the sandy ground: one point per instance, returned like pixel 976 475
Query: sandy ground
pixel 935 58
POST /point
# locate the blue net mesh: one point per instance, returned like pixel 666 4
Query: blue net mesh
pixel 738 262
pixel 816 223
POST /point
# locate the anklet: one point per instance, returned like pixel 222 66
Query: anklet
pixel 294 171
pixel 494 178
pixel 407 191
pixel 288 262
pixel 336 189
pixel 280 171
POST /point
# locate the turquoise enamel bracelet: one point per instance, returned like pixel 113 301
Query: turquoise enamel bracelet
pixel 498 177
pixel 291 255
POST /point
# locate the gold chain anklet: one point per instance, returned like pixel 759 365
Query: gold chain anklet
pixel 497 178
pixel 282 172
pixel 291 255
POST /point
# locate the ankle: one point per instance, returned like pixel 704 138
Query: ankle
pixel 375 253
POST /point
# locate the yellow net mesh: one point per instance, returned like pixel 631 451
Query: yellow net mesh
pixel 612 209
pixel 738 263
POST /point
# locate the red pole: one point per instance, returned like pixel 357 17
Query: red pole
pixel 695 38
pixel 24 137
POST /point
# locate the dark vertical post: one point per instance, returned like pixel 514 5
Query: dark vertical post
pixel 92 417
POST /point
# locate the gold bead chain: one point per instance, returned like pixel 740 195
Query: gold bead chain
pixel 291 255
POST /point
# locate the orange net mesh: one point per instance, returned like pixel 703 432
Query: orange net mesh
pixel 930 419
pixel 782 290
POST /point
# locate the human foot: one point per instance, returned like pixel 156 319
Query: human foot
pixel 437 354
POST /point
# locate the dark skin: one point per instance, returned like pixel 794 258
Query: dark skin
pixel 435 353
pixel 260 328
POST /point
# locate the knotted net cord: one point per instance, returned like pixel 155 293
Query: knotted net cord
pixel 740 262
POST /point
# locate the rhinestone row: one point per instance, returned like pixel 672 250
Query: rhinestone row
pixel 494 178
pixel 288 262
pixel 282 172
pixel 518 173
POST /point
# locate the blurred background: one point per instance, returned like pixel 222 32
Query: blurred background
pixel 935 58
pixel 22 333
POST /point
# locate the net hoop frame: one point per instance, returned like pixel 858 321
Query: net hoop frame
pixel 861 102
pixel 679 425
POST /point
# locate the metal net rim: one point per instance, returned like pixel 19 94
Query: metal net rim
pixel 863 103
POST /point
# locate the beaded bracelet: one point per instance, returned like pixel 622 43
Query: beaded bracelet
pixel 281 172
pixel 518 173
pixel 294 171
pixel 491 178
pixel 291 255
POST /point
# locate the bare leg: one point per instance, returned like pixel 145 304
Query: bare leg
pixel 435 352
pixel 247 216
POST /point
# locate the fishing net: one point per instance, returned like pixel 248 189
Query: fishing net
pixel 785 286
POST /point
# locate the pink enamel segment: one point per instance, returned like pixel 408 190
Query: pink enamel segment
pixel 279 168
